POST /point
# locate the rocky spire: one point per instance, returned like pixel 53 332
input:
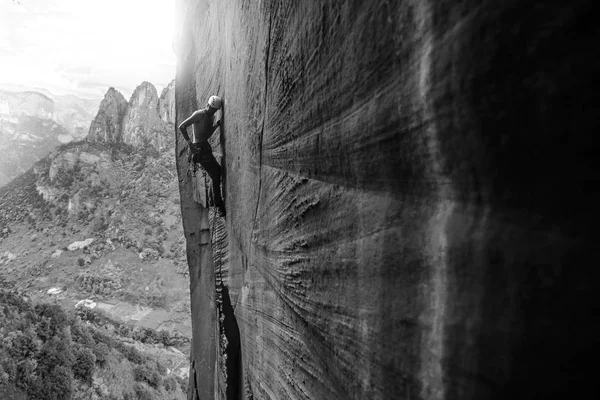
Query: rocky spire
pixel 142 123
pixel 107 126
pixel 166 103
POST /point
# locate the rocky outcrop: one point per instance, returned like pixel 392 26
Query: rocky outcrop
pixel 136 122
pixel 107 125
pixel 142 124
pixel 166 103
pixel 65 161
pixel 410 197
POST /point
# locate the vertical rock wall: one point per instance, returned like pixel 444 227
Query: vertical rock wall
pixel 410 196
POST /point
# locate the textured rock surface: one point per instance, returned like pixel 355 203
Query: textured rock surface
pixel 142 123
pixel 107 125
pixel 411 198
pixel 66 161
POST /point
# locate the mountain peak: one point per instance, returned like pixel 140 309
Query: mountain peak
pixel 145 88
pixel 167 89
pixel 166 103
pixel 112 92
pixel 142 123
pixel 107 124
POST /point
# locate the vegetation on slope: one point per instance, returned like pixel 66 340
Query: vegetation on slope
pixel 126 200
pixel 46 353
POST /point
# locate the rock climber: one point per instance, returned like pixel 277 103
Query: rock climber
pixel 202 121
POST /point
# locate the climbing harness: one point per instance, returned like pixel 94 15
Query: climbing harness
pixel 209 194
pixel 193 167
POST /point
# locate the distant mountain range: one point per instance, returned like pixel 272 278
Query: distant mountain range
pixel 72 112
pixel 34 122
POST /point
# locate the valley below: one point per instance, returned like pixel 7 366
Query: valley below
pixel 94 228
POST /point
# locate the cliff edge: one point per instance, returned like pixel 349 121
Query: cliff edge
pixel 408 198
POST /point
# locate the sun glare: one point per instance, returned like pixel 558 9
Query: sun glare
pixel 83 47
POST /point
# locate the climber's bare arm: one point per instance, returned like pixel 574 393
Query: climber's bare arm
pixel 195 117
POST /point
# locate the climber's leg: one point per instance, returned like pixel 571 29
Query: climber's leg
pixel 210 164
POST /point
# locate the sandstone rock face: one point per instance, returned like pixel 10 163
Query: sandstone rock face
pixel 166 103
pixel 410 199
pixel 107 125
pixel 142 123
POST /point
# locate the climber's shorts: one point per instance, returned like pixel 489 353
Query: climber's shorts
pixel 204 154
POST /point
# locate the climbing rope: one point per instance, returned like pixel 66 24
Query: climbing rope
pixel 215 239
pixel 218 236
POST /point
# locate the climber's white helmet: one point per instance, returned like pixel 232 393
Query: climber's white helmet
pixel 215 102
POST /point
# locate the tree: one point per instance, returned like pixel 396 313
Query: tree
pixel 9 365
pixel 24 345
pixel 170 383
pixel 81 334
pixel 131 354
pixel 162 370
pixel 164 338
pixel 143 392
pixel 3 376
pixel 53 319
pixel 54 352
pixel 147 373
pixel 25 373
pixel 83 367
pixel 101 351
pixel 58 385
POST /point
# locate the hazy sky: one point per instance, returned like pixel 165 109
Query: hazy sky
pixel 84 46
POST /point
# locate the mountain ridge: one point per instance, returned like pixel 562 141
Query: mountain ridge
pixel 146 119
pixel 62 119
pixel 71 111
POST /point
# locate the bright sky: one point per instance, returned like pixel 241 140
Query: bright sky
pixel 85 46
